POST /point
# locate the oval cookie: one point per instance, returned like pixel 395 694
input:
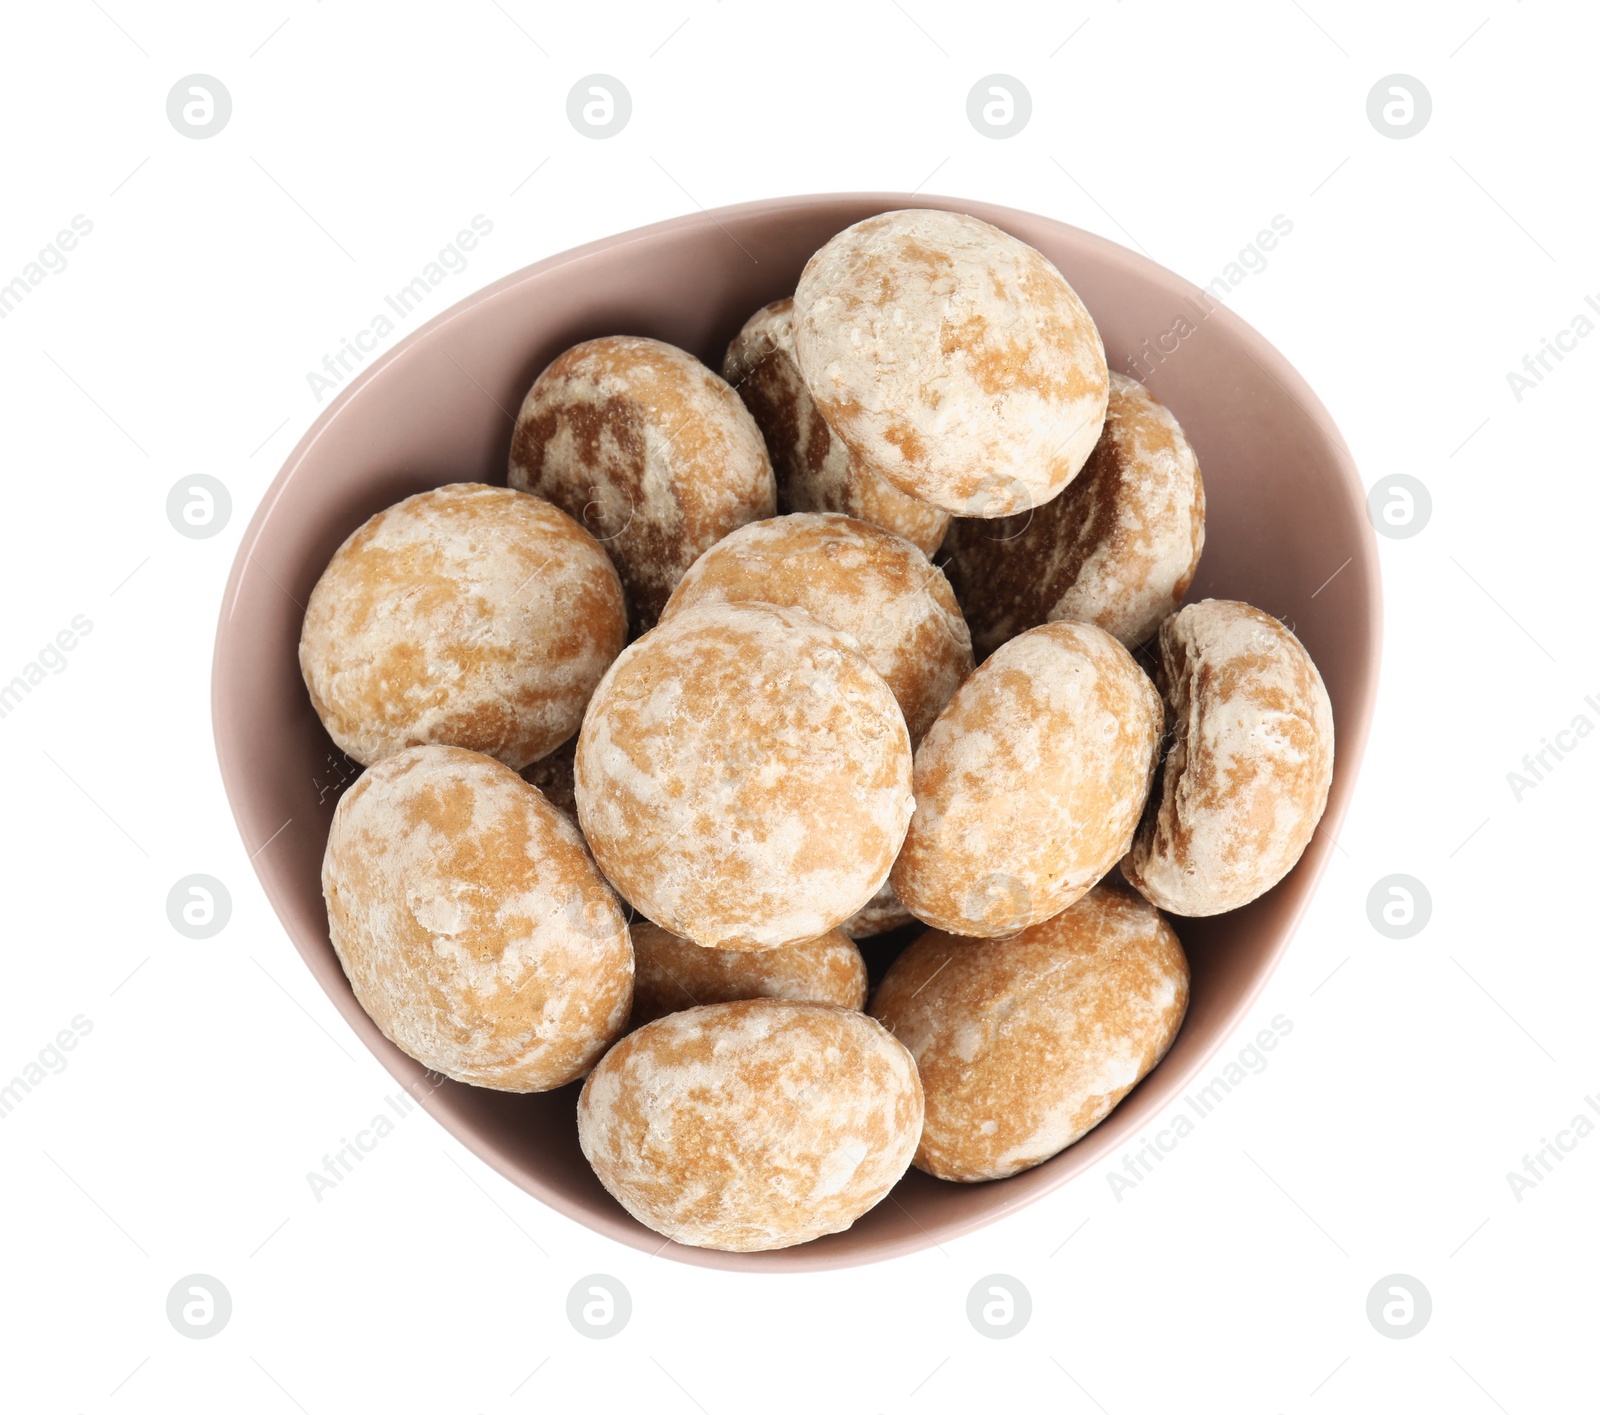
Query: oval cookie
pixel 671 974
pixel 755 1125
pixel 471 615
pixel 1030 783
pixel 472 924
pixel 743 776
pixel 1246 776
pixel 1025 1046
pixel 872 584
pixel 951 359
pixel 651 450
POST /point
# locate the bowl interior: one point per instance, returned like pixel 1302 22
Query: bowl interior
pixel 1285 511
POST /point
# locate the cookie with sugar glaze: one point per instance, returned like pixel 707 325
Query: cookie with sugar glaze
pixel 1025 1046
pixel 472 924
pixel 670 973
pixel 651 450
pixel 952 359
pixel 1030 783
pixel 744 776
pixel 878 915
pixel 470 615
pixel 748 1126
pixel 870 583
pixel 1246 776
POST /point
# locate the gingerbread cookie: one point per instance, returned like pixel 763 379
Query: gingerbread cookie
pixel 878 915
pixel 744 776
pixel 1025 1046
pixel 472 924
pixel 1030 783
pixel 471 615
pixel 670 973
pixel 650 450
pixel 1246 777
pixel 951 359
pixel 748 1126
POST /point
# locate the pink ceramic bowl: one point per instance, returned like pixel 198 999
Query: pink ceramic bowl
pixel 1286 511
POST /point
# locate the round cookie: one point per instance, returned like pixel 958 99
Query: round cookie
pixel 1025 1046
pixel 473 927
pixel 878 915
pixel 649 449
pixel 1117 548
pixel 754 1125
pixel 744 776
pixel 815 470
pixel 671 974
pixel 1030 783
pixel 951 359
pixel 470 615
pixel 1247 773
pixel 872 584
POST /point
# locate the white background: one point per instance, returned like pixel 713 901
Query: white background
pixel 177 341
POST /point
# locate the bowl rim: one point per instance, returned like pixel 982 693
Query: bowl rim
pixel 1352 738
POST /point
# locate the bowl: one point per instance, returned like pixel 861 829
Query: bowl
pixel 1287 531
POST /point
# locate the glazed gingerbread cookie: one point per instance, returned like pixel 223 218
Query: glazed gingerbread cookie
pixel 470 615
pixel 951 359
pixel 878 915
pixel 744 776
pixel 649 449
pixel 670 973
pixel 472 924
pixel 754 1125
pixel 1030 783
pixel 1025 1046
pixel 1246 776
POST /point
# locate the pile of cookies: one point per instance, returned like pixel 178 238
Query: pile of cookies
pixel 881 627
